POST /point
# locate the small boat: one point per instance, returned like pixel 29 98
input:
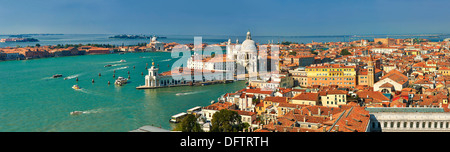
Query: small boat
pixel 121 81
pixel 122 61
pixel 108 65
pixel 76 87
pixel 76 112
pixel 180 94
pixel 57 75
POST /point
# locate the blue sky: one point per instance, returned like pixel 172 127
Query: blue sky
pixel 229 17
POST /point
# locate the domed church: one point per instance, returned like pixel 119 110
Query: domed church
pixel 245 55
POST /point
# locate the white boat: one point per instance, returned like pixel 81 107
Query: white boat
pixel 178 117
pixel 122 61
pixel 76 87
pixel 194 110
pixel 121 81
pixel 76 112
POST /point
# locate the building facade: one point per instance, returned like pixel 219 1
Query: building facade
pixel 331 74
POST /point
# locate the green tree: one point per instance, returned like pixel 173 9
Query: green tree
pixel 38 45
pixel 189 124
pixel 345 52
pixel 226 121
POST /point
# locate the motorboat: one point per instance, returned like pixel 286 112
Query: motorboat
pixel 108 65
pixel 57 75
pixel 76 112
pixel 121 81
pixel 76 87
pixel 122 61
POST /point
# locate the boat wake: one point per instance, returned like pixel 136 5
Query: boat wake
pixel 47 78
pixel 116 65
pixel 94 111
pixel 86 112
pixel 121 68
pixel 188 93
pixel 166 60
pixel 71 76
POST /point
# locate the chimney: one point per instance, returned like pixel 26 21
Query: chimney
pixel 319 111
pixel 304 119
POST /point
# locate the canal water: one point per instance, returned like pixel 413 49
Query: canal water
pixel 32 101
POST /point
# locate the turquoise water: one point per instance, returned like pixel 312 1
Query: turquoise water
pixel 31 100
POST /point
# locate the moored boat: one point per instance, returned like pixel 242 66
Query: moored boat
pixel 178 117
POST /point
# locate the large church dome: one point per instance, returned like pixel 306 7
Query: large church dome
pixel 249 45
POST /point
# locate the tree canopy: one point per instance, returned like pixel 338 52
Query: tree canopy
pixel 226 121
pixel 189 124
pixel 345 52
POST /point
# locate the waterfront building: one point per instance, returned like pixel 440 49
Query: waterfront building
pixel 331 74
pixel 93 50
pixel 245 55
pixel 178 77
pixel 155 45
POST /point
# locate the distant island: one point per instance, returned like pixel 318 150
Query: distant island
pixel 125 36
pixel 29 35
pixel 19 40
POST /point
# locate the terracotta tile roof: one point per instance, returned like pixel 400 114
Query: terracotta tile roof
pixel 307 96
pixel 375 96
pixel 277 99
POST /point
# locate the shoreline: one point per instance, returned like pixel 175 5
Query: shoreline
pixel 76 55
